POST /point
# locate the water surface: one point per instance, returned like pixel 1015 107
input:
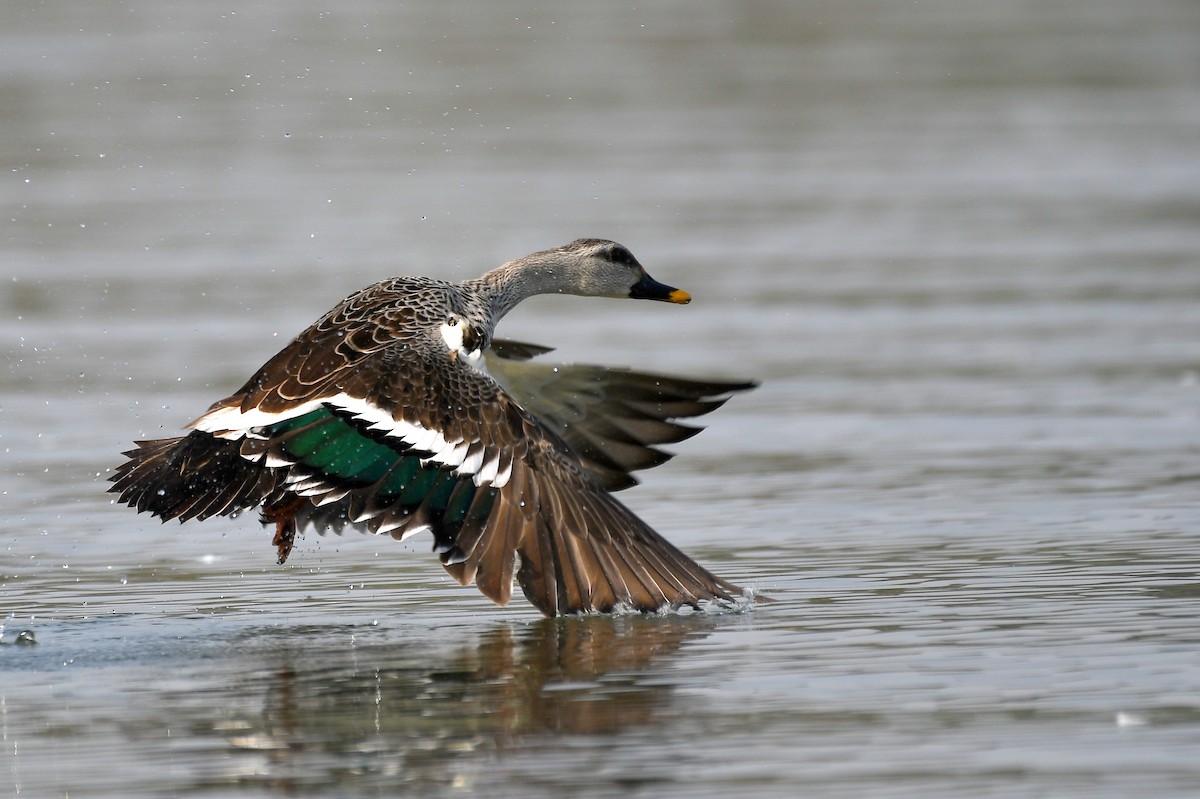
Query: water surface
pixel 958 243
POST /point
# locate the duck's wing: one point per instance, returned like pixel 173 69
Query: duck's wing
pixel 205 473
pixel 342 352
pixel 612 418
pixel 368 432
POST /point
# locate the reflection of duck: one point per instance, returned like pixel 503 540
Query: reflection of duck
pixel 418 708
pixel 398 412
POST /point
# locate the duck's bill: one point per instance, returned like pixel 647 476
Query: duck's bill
pixel 650 289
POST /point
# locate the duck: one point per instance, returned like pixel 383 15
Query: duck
pixel 398 412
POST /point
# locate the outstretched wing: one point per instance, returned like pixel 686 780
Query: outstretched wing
pixel 613 419
pixel 350 349
pixel 205 473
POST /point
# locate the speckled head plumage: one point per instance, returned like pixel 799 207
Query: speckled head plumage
pixel 585 267
pixel 398 413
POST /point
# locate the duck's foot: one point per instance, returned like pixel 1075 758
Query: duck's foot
pixel 283 514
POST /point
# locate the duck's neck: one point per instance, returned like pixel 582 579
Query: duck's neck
pixel 505 287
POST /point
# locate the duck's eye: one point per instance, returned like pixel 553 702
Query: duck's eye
pixel 622 256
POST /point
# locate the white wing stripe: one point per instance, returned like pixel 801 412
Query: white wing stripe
pixel 503 474
pixel 487 472
pixel 472 461
pixel 234 424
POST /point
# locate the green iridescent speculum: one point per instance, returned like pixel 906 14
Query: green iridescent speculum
pixel 332 445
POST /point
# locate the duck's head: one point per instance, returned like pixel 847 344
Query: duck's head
pixel 602 268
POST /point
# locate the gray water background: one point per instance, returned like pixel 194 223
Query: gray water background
pixel 957 241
